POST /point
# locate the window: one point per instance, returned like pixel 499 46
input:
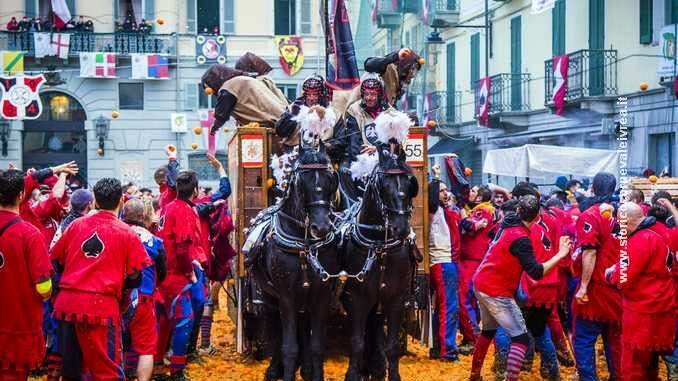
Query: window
pixel 645 21
pixel 208 16
pixel 305 16
pixel 475 60
pixel 661 152
pixel 285 17
pixel 451 83
pixel 290 91
pixel 128 11
pixel 516 63
pixel 671 11
pixel 229 17
pixel 202 102
pixel 596 42
pixel 558 28
pixel 202 167
pixel 131 96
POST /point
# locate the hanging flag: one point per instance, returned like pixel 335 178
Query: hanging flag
pixel 425 11
pixel 206 121
pixel 342 66
pixel 150 66
pixel 675 86
pixel 43 45
pixel 61 13
pixel 373 15
pixel 291 54
pixel 60 44
pixel 539 6
pixel 20 99
pixel 426 115
pixel 97 65
pixel 484 102
pixel 560 65
pixel 12 62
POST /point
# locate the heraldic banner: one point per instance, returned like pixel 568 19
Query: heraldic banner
pixel 20 99
pixel 291 53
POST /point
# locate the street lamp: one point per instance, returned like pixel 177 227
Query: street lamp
pixel 4 135
pixel 101 127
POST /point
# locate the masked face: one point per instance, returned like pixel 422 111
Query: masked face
pixel 371 98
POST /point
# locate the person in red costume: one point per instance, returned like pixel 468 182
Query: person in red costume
pixel 166 178
pixel 648 296
pixel 98 256
pixel 665 212
pixel 497 280
pixel 476 235
pixel 181 232
pixel 44 214
pixel 25 282
pixel 597 307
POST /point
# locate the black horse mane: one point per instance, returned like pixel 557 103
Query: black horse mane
pixel 391 162
pixel 312 156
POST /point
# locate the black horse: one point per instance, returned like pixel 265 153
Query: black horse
pixel 380 267
pixel 297 267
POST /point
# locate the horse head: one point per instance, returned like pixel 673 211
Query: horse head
pixel 316 184
pixel 396 186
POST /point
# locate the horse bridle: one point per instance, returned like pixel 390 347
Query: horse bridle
pixel 374 185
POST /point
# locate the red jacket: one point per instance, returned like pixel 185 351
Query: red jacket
pixel 643 275
pixel 670 236
pixel 97 253
pixel 42 215
pixel 596 232
pixel 545 238
pixel 474 243
pixel 24 262
pixel 499 272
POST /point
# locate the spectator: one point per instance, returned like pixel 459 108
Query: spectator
pixel 13 25
pixel 36 25
pixel 24 24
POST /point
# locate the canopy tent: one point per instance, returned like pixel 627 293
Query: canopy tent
pixel 540 161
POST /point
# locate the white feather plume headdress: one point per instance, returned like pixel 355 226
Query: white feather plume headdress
pixel 392 124
pixel 281 167
pixel 315 122
pixel 364 165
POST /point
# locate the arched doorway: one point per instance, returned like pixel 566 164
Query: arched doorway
pixel 58 136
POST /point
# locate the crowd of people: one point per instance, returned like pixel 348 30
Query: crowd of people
pixel 551 273
pixel 110 282
pixel 45 24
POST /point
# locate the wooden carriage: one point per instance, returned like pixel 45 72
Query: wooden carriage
pixel 668 184
pixel 249 152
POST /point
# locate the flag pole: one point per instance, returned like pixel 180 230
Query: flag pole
pixel 326 23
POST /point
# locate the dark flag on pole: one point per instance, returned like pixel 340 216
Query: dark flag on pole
pixel 342 68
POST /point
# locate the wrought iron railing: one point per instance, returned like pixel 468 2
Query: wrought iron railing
pixel 508 92
pixel 121 43
pixel 445 6
pixel 445 107
pixel 388 6
pixel 590 73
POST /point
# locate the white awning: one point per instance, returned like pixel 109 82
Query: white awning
pixel 539 161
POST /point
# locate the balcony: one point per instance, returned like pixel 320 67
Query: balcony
pixel 509 93
pixel 444 13
pixel 446 107
pixel 591 80
pixel 388 14
pixel 121 43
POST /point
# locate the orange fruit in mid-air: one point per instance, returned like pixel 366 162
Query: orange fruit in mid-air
pixel 194 146
pixel 404 53
pixel 422 61
pixel 643 86
pixel 160 20
pixel 468 171
pixel 270 183
pixel 431 124
pixel 653 179
pixel 115 114
pixel 197 130
pixel 208 91
pixel 172 148
pixel 606 214
pixel 225 129
pixel 100 152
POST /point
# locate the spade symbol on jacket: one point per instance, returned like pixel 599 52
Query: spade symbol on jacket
pixel 93 246
pixel 545 241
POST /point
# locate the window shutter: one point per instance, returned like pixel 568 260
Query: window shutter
pixel 558 28
pixel 149 10
pixel 305 16
pixel 645 21
pixel 31 10
pixel 71 6
pixel 191 91
pixel 673 4
pixel 451 83
pixel 516 65
pixel 475 59
pixel 190 16
pixel 229 17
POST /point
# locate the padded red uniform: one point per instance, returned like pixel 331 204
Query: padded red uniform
pixel 24 262
pixel 97 253
pixel 648 323
pixel 596 232
pixel 545 238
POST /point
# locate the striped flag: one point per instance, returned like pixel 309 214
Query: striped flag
pixel 560 65
pixel 97 65
pixel 12 62
pixel 150 66
pixel 342 66
pixel 484 102
pixel 206 120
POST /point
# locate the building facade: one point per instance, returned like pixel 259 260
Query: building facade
pixel 613 47
pixel 133 145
